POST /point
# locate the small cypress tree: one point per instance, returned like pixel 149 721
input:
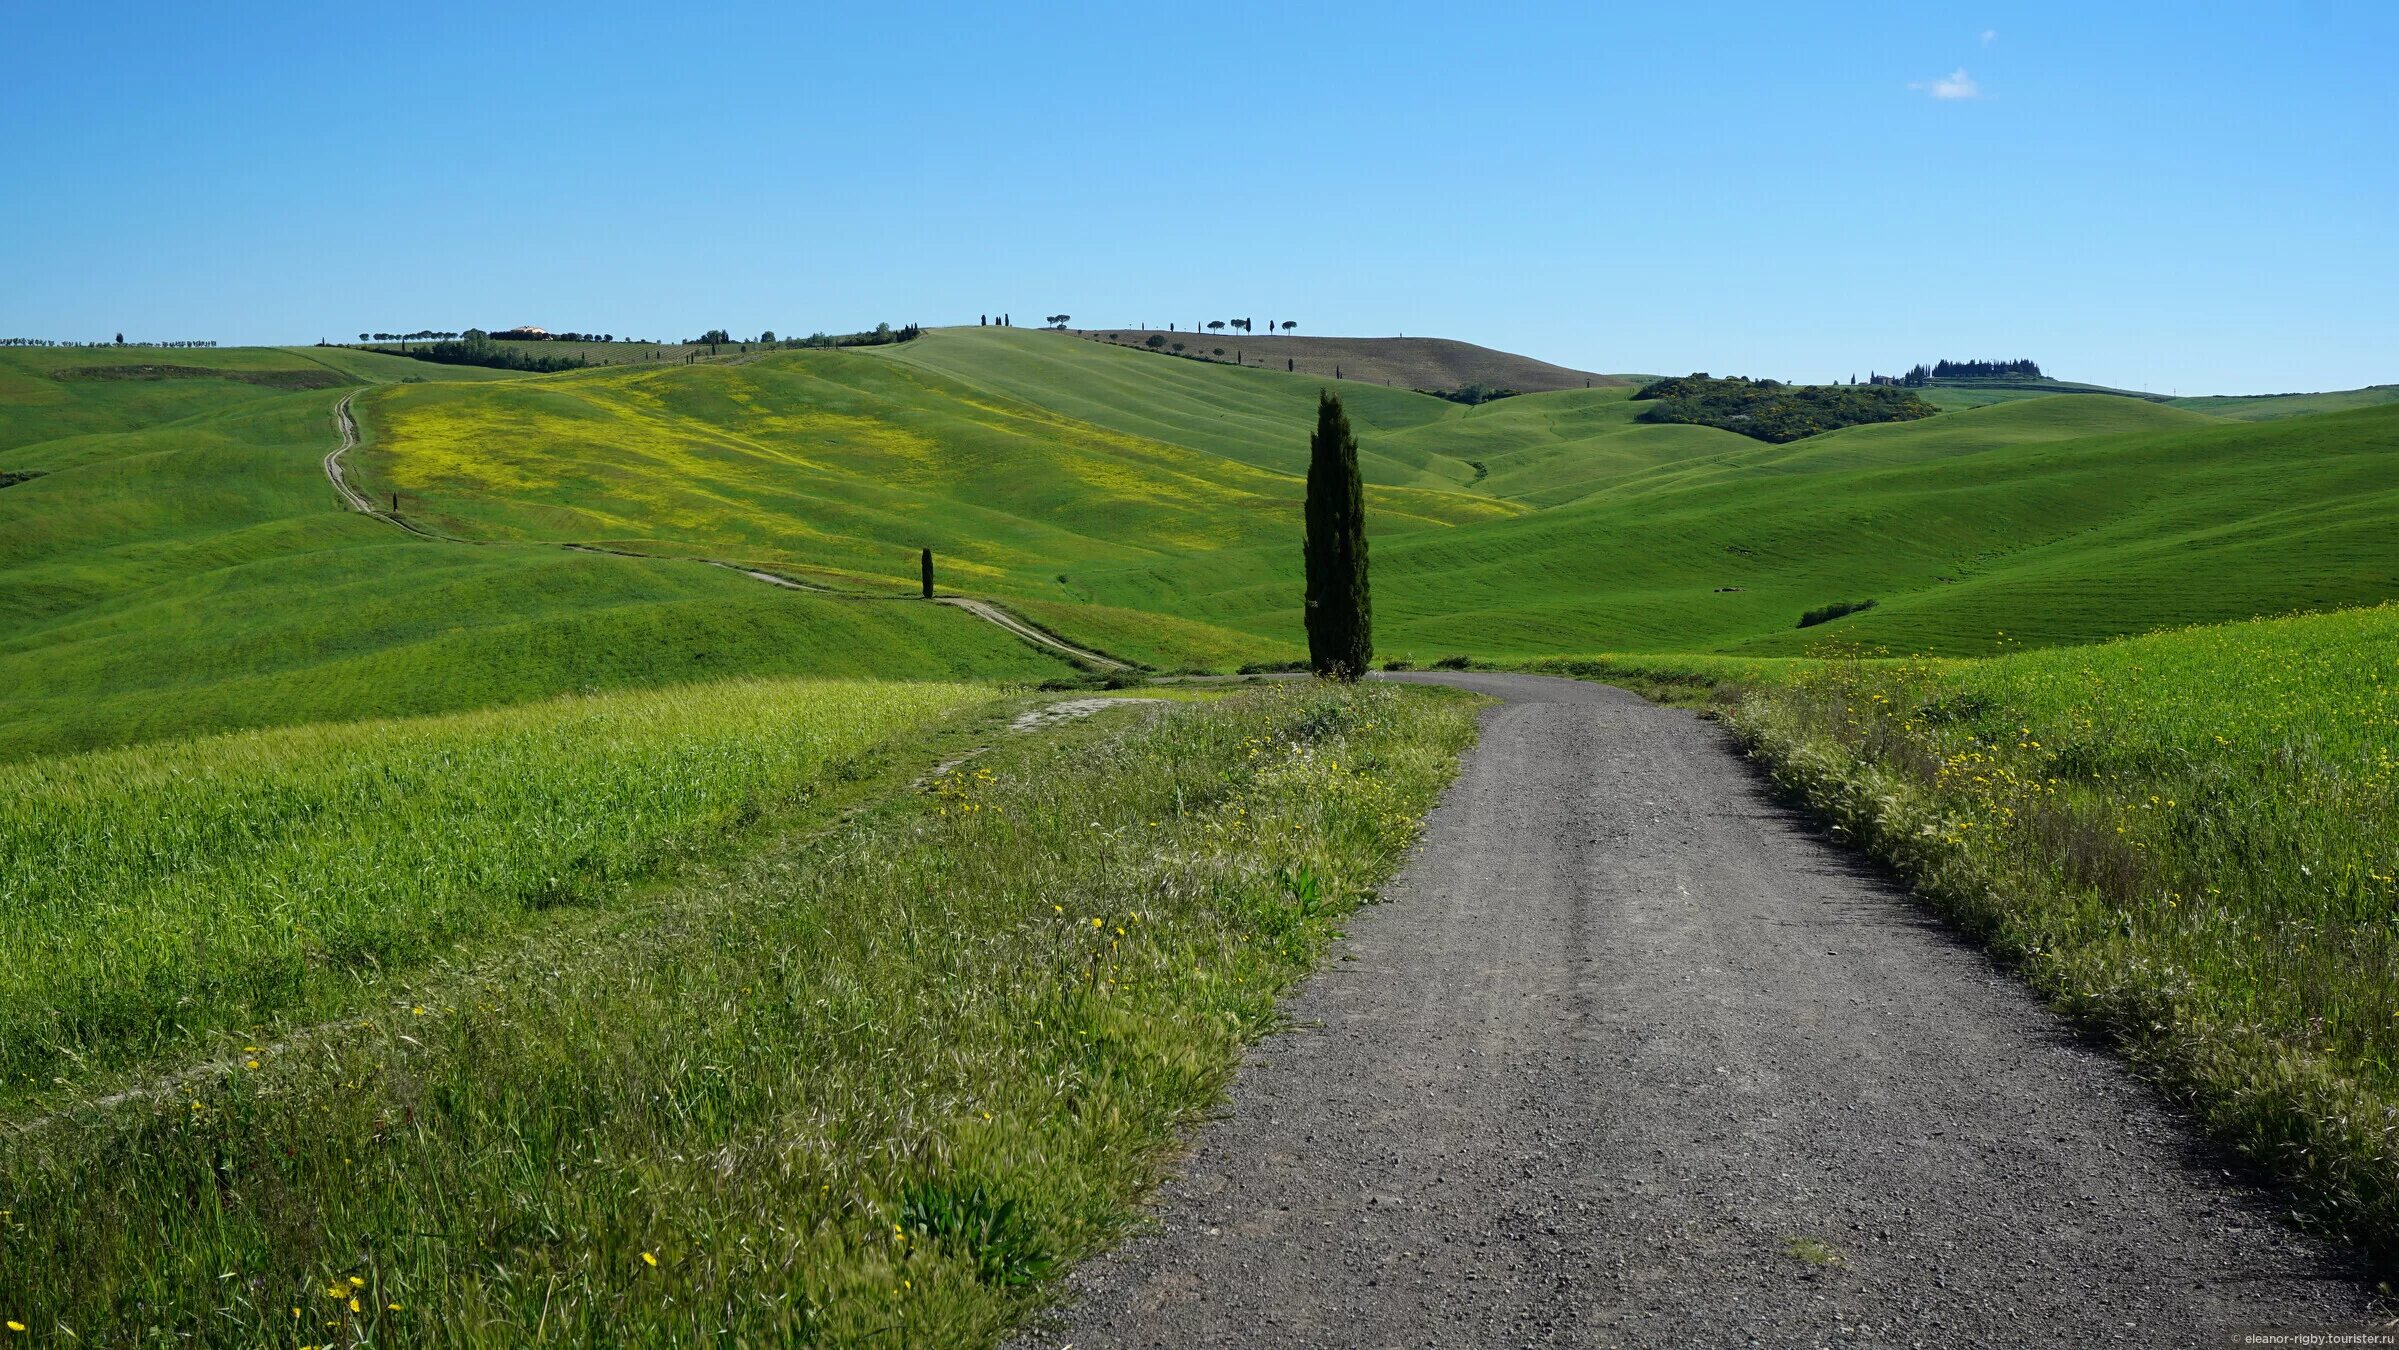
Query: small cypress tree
pixel 1340 616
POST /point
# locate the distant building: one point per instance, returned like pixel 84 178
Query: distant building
pixel 523 333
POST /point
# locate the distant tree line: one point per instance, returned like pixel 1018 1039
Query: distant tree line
pixel 502 335
pixel 1969 370
pixel 1920 375
pixel 881 335
pixel 420 335
pixel 1473 394
pixel 1773 411
pixel 120 342
pixel 475 347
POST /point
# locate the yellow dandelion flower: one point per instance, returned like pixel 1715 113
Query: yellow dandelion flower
pixel 649 1259
pixel 354 1305
pixel 357 1283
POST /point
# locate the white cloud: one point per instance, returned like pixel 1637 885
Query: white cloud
pixel 1989 36
pixel 1956 84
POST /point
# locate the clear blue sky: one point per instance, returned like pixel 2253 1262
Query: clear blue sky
pixel 2203 198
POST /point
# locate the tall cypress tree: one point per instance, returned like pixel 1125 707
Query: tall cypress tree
pixel 1340 617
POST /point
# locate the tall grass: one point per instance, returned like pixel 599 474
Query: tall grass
pixel 2190 841
pixel 871 1088
pixel 158 892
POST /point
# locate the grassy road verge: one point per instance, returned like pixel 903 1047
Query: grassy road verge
pixel 872 1086
pixel 2185 841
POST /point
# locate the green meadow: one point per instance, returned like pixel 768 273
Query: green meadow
pixel 179 565
pixel 159 893
pixel 1063 473
pixel 524 925
pixel 879 1081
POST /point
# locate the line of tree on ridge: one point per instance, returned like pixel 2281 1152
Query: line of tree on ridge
pixel 1920 375
pixel 120 342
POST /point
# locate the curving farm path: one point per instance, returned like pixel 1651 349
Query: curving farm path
pixel 1630 1056
pixel 985 610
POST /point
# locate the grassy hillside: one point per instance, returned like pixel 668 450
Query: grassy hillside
pixel 1966 391
pixel 839 465
pixel 2266 407
pixel 1555 446
pixel 1963 527
pixel 1093 485
pixel 180 565
pixel 1976 393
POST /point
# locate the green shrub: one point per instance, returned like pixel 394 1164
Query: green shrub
pixel 1835 610
pixel 1772 411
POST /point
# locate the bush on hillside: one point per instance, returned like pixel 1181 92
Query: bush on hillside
pixel 475 348
pixel 1828 613
pixel 1772 411
pixel 1473 394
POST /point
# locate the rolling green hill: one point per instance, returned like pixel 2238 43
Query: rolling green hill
pixel 180 565
pixel 2266 407
pixel 178 562
pixel 1976 393
pixel 838 466
pixel 1060 474
pixel 2064 539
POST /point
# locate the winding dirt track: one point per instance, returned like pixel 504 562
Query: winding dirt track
pixel 1631 1057
pixel 348 428
pixel 981 609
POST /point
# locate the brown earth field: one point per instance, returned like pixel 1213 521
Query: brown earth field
pixel 1404 362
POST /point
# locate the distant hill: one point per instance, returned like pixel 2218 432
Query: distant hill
pixel 173 560
pixel 1979 393
pixel 1403 362
pixel 2268 407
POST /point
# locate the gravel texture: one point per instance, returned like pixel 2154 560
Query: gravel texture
pixel 1631 1056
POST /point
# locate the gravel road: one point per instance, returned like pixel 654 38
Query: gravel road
pixel 1631 1057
